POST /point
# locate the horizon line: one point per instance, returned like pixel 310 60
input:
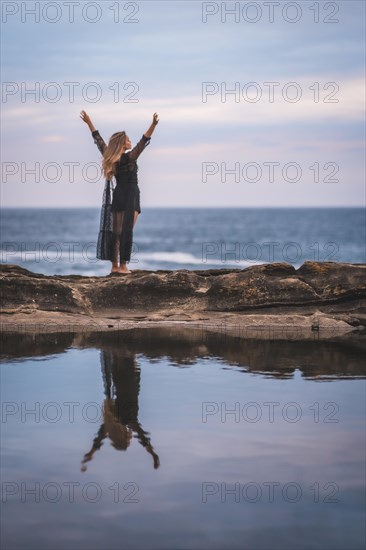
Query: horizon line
pixel 181 207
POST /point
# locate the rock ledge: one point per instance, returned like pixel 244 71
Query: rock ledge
pixel 326 299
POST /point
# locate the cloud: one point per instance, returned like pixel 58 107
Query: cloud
pixel 215 104
pixel 53 139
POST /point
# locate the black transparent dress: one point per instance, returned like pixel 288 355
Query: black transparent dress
pixel 116 231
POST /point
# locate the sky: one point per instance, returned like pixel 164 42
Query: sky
pixel 259 103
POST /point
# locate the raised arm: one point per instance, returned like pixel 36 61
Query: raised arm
pixel 143 438
pixel 98 140
pixel 86 118
pixel 154 123
pixel 97 443
pixel 144 141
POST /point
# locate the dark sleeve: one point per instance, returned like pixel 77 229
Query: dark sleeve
pixel 139 147
pixel 99 141
pixel 98 440
pixel 97 443
pixel 142 436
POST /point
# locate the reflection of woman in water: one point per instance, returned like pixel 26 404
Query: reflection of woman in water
pixel 120 411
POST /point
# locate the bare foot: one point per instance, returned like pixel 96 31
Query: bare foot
pixel 123 270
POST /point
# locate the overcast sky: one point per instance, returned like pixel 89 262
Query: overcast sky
pixel 126 60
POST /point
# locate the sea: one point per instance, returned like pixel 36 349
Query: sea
pixel 61 241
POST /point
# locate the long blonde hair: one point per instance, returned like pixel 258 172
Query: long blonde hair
pixel 112 153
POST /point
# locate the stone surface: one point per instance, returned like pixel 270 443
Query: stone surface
pixel 267 301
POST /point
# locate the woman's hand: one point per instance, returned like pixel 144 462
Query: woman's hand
pixel 155 121
pixel 86 118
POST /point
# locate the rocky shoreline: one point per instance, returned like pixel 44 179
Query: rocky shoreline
pixel 271 301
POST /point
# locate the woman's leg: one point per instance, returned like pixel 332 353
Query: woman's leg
pixel 117 230
pixel 123 267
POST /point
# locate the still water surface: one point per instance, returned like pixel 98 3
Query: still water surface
pixel 169 440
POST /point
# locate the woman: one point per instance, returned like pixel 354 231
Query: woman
pixel 119 160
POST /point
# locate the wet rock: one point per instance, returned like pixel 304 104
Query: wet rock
pixel 330 293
